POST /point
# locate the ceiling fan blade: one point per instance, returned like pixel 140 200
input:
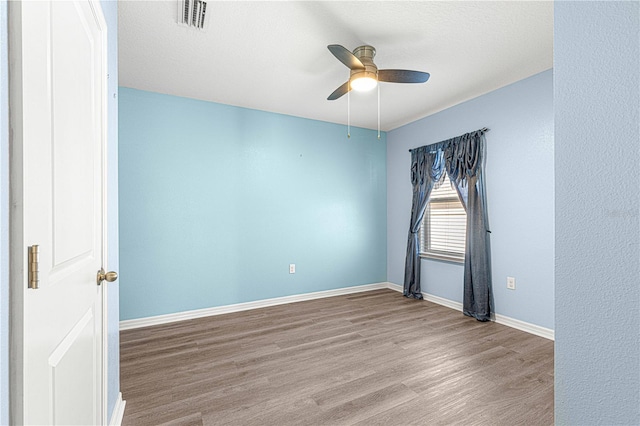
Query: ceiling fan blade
pixel 346 57
pixel 402 76
pixel 339 92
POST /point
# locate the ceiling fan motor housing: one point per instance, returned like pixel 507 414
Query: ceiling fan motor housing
pixel 365 54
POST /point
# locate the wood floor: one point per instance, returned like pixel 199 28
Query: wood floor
pixel 373 358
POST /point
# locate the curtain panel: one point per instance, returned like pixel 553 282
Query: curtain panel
pixel 426 169
pixel 463 157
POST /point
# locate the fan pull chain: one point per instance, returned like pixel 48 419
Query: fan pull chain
pixel 378 111
pixel 348 115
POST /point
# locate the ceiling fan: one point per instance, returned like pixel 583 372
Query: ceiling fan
pixel 365 74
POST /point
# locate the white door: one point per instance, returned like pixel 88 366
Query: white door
pixel 59 123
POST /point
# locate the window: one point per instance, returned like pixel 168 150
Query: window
pixel 443 228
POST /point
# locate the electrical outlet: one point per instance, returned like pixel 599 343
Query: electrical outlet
pixel 292 268
pixel 511 283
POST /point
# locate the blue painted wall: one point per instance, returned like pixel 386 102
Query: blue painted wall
pixel 597 116
pixel 520 196
pixel 4 217
pixel 216 201
pixel 110 11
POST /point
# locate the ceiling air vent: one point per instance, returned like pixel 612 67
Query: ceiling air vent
pixel 192 13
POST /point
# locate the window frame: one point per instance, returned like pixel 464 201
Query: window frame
pixel 425 226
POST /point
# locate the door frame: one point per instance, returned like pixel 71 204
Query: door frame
pixel 4 216
pixel 17 246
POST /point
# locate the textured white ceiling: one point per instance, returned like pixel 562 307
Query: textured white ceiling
pixel 273 56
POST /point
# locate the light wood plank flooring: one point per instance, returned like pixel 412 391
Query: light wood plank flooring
pixel 373 358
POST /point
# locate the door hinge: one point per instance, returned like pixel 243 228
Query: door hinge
pixel 33 267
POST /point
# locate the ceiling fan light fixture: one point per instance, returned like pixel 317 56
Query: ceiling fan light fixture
pixel 361 64
pixel 364 75
pixel 364 81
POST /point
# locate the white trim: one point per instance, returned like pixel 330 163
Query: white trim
pixel 395 287
pixel 238 307
pixel 4 214
pixel 118 411
pixel 547 333
pixel 105 349
pixel 452 304
pixel 17 261
pixel 96 9
pixel 227 309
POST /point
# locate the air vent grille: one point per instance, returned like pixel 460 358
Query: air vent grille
pixel 192 13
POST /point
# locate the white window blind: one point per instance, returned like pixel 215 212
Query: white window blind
pixel 442 234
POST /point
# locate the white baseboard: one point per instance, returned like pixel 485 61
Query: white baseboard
pixel 547 333
pixel 118 411
pixel 227 309
pixel 395 287
pixel 238 307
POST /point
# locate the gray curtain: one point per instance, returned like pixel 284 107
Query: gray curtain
pixel 426 169
pixel 463 158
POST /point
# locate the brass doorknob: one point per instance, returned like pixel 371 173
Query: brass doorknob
pixel 110 276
